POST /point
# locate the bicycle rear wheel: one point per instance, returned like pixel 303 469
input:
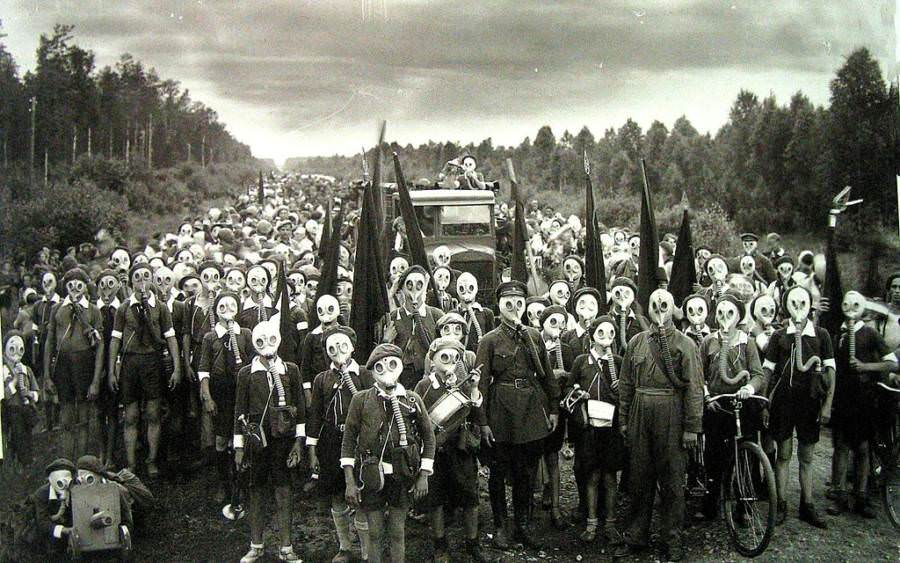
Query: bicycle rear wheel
pixel 749 497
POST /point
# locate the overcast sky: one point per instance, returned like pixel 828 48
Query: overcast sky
pixel 308 77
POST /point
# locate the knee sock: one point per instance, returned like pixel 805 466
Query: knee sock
pixel 362 530
pixel 342 526
pixel 223 461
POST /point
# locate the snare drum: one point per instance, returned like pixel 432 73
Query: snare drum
pixel 450 410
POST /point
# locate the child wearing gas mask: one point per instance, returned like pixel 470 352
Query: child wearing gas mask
pixel 108 285
pixel 451 384
pixel 50 504
pixel 731 364
pixel 270 426
pixel 389 437
pixel 863 359
pixel 561 355
pixel 73 361
pixel 20 396
pixel 225 350
pixel 585 306
pixel 592 397
pixel 799 365
pixel 332 391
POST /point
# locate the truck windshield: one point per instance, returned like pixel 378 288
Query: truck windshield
pixel 466 220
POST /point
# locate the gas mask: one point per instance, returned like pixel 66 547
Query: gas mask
pixel 853 305
pixel 387 371
pixel 258 280
pixel 120 260
pixel 344 259
pixel 60 480
pixel 283 251
pixel 156 263
pixel 717 269
pixel 703 255
pixel 414 289
pixel 623 297
pixel 398 266
pixel 299 281
pixel 86 477
pixel 214 214
pixel 727 316
pixel 764 309
pixel 553 326
pixel 266 339
pixel 748 266
pixel 785 271
pixel 186 231
pixel 235 281
pixel 572 270
pixel 185 257
pixel 586 308
pixel 534 311
pixel 75 290
pixel 14 350
pixel 339 348
pixel 468 164
pixel 327 308
pixel 749 246
pixel 634 243
pixel 312 286
pixel 210 278
pixel 108 286
pixel 444 360
pixel 453 330
pixel 48 283
pixel 696 311
pixel 441 278
pixel 344 292
pixel 192 287
pixel 742 286
pixel 560 293
pixel 661 306
pixel 164 278
pixel 312 229
pixel 141 280
pixel 441 256
pixel 511 309
pixel 227 308
pixel 604 335
pixel 141 259
pixel 467 287
pixel 619 237
pixel 272 268
pixel 798 303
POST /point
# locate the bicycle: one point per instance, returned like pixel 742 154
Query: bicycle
pixel 886 459
pixel 748 494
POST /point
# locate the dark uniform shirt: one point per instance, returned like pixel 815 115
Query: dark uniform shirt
pixel 137 338
pixel 743 356
pixel 517 380
pixel 331 398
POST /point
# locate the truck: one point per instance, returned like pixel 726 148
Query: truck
pixel 461 220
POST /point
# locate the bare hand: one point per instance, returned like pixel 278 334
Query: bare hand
pixel 351 495
pixel 554 420
pixel 209 405
pixel 238 457
pixel 765 418
pixel 689 440
pixel 113 383
pixel 487 435
pixel 420 488
pixel 93 390
pixel 825 415
pixel 744 392
pixel 296 455
pixel 175 379
pixel 314 461
pixel 191 374
pixel 824 305
pixel 856 365
pixel 624 431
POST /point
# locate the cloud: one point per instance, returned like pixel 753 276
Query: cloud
pixel 310 76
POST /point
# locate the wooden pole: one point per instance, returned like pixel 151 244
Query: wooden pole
pixel 203 151
pixel 74 143
pixel 189 152
pixel 46 167
pixel 89 142
pixel 31 157
pixel 150 143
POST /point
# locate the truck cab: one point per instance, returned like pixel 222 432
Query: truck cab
pixel 462 220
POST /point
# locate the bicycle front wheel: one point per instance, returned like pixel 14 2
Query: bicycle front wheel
pixel 890 490
pixel 750 500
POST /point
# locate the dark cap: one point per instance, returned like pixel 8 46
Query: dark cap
pixel 76 274
pixel 340 329
pixel 553 310
pixel 90 463
pixel 512 288
pixel 383 351
pixel 750 236
pixel 624 280
pixel 59 465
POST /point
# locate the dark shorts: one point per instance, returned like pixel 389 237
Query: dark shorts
pixel 72 375
pixel 328 450
pixel 793 408
pixel 455 479
pixel 222 387
pixel 139 379
pixel 394 494
pixel 269 465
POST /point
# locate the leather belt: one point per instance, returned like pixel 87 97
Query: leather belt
pixel 517 383
pixel 658 392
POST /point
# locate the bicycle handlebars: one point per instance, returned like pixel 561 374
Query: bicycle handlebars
pixel 735 396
